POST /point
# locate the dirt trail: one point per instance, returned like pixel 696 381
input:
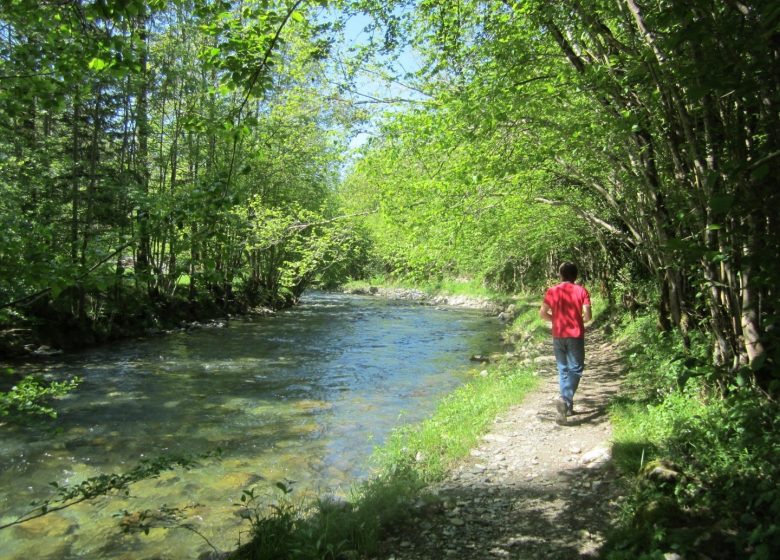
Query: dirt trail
pixel 531 489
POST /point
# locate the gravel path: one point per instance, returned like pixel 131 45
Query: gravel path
pixel 531 489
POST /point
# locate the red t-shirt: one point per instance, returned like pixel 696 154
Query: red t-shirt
pixel 566 301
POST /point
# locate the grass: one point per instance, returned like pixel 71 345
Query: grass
pixel 413 457
pixel 460 419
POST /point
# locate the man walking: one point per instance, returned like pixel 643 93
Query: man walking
pixel 567 307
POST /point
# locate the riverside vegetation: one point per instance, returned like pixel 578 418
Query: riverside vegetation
pixel 164 161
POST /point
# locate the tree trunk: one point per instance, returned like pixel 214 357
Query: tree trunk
pixel 143 254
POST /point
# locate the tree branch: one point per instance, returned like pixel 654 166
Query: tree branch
pixel 267 54
pixel 587 216
pixel 39 293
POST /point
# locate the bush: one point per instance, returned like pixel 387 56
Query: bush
pixel 702 463
pixel 30 397
pixel 658 364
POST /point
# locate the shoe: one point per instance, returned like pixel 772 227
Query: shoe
pixel 570 410
pixel 562 409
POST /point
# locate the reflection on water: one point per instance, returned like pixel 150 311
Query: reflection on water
pixel 303 395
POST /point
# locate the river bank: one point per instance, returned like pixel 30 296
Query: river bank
pixel 36 339
pixel 490 305
pixel 506 308
pixel 304 395
pixel 39 339
pixel 530 488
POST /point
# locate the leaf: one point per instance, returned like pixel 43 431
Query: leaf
pixel 97 64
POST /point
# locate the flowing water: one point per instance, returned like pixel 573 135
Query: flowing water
pixel 304 395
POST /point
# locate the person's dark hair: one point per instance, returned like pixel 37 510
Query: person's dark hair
pixel 568 271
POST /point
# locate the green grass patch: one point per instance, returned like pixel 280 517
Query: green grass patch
pixel 430 447
pixel 413 457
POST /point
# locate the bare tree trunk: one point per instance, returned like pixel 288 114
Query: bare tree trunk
pixel 94 160
pixel 75 185
pixel 142 261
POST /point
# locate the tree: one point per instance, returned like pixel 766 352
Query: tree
pixel 138 138
pixel 656 124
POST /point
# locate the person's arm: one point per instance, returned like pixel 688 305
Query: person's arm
pixel 586 313
pixel 545 312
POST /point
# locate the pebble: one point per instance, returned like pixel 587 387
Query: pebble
pixel 525 485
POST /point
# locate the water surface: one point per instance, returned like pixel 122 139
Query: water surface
pixel 304 395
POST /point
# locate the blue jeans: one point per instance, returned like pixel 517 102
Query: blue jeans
pixel 570 357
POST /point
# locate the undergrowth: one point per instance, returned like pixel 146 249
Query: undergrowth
pixel 701 457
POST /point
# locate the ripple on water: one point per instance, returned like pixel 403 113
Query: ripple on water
pixel 289 397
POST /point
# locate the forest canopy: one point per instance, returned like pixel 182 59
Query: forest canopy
pixel 159 158
pixel 639 138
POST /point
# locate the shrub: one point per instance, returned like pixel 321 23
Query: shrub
pixel 702 462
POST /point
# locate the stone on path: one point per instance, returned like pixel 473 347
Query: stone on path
pixel 530 489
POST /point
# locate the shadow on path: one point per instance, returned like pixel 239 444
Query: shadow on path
pixel 531 489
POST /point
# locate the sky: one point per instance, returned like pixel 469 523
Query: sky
pixel 369 86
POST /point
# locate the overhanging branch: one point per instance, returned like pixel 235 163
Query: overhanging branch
pixel 588 217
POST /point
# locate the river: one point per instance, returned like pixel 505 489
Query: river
pixel 303 395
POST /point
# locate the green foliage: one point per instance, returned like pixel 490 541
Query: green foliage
pixel 436 210
pixel 328 528
pixel 658 363
pixel 719 452
pixel 29 398
pixel 149 141
pixel 273 526
pixel 612 134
